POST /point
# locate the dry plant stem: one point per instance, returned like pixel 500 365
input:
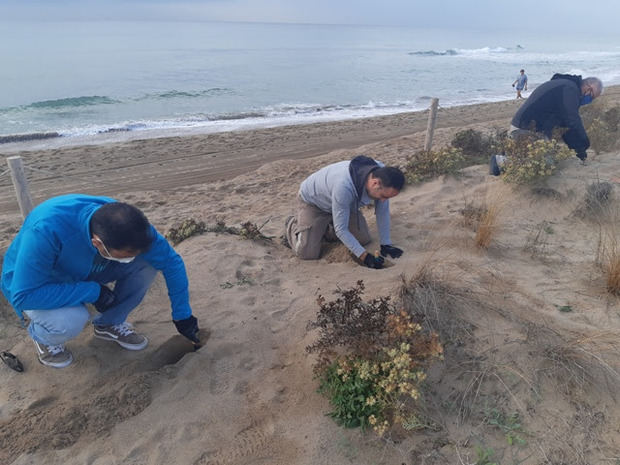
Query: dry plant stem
pixel 489 222
pixel 608 248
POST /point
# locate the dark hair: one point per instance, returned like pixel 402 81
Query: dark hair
pixel 121 226
pixel 390 177
pixel 522 71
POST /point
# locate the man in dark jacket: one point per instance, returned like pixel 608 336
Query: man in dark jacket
pixel 556 104
pixel 332 197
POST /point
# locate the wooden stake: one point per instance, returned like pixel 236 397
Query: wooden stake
pixel 430 128
pixel 20 183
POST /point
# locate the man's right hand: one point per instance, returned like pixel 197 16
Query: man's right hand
pixel 188 328
pixel 373 262
pixel 106 299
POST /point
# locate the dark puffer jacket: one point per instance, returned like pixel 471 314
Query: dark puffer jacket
pixel 555 104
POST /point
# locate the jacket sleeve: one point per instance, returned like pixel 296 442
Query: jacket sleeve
pixel 382 212
pixel 33 284
pixel 576 137
pixel 164 258
pixel 342 202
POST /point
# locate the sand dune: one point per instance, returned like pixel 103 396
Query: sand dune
pixel 248 397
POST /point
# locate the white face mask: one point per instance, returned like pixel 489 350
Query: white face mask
pixel 120 260
pixel 111 258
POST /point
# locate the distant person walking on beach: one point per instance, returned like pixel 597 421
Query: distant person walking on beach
pixel 555 104
pixel 521 83
pixel 329 203
pixel 66 252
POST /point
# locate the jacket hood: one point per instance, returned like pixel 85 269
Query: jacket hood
pixel 359 169
pixel 571 77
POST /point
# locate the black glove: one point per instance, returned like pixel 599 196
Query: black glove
pixel 582 156
pixel 188 328
pixel 373 262
pixel 392 251
pixel 106 299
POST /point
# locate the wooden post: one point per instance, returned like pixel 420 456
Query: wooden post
pixel 20 183
pixel 430 128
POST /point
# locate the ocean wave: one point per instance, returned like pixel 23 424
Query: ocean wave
pixel 86 101
pixel 28 137
pixel 169 94
pixel 72 102
pixel 462 51
pixel 433 53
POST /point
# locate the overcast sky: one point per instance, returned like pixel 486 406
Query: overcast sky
pixel 572 16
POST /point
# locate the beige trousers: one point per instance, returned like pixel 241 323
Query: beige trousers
pixel 310 226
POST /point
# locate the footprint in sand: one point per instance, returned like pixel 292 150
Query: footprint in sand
pixel 43 402
pixel 248 363
pixel 221 379
pixel 255 441
pixel 279 314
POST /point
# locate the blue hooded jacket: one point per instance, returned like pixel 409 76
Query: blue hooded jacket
pixel 48 262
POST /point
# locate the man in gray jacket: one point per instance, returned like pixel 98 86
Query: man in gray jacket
pixel 329 201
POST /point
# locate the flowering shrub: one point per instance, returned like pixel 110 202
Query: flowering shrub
pixel 425 165
pixel 367 393
pixel 373 379
pixel 529 160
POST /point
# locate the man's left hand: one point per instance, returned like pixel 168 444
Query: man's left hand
pixel 392 251
pixel 188 328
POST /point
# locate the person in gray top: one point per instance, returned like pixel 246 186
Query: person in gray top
pixel 329 203
pixel 521 83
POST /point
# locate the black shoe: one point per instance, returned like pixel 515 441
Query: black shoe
pixel 493 166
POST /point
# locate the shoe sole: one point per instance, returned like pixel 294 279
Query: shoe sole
pixel 56 365
pixel 124 345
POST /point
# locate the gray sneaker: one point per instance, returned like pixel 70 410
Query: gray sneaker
pixel 123 334
pixel 56 356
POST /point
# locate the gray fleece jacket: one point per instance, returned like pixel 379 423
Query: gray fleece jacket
pixel 331 189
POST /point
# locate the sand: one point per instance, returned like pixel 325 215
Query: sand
pixel 248 396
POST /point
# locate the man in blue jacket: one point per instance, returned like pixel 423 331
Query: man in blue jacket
pixel 329 203
pixel 555 104
pixel 67 251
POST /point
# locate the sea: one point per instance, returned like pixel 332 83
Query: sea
pixel 96 81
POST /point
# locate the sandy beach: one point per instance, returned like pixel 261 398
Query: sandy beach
pixel 248 396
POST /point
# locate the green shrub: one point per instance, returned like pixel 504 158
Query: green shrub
pixel 478 145
pixel 371 359
pixel 424 165
pixel 366 392
pixel 471 142
pixel 592 111
pixel 530 159
pixel 186 229
pixel 600 135
pixel 612 118
pixel 601 124
pixel 191 227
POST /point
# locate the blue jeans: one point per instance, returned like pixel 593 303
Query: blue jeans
pixel 56 326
